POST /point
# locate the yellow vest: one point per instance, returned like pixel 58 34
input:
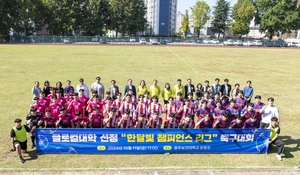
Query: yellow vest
pixel 142 90
pixel 273 132
pixel 20 134
pixel 179 89
pixel 166 94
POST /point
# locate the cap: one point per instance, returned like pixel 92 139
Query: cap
pixel 17 120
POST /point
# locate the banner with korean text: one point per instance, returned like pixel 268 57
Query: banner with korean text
pixel 147 141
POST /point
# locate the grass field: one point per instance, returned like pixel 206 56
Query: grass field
pixel 274 72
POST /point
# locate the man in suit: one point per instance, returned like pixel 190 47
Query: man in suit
pixel 216 86
pixel 225 88
pixel 113 89
pixel 130 86
pixel 189 88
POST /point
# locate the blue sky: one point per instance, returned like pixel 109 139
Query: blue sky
pixel 186 4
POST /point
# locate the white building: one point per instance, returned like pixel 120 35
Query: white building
pixel 161 16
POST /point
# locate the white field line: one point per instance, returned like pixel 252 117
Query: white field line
pixel 204 168
pixel 183 60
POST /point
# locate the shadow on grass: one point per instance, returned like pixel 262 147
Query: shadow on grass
pixel 290 146
pixel 31 155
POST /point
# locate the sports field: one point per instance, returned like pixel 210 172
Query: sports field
pixel 274 73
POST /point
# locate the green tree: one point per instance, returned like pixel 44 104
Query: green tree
pixel 92 17
pixel 200 15
pixel 128 16
pixel 277 16
pixel 185 23
pixel 7 13
pixel 242 14
pixel 220 17
pixel 60 16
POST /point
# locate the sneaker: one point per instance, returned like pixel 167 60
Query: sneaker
pixel 32 146
pixel 22 160
pixel 278 157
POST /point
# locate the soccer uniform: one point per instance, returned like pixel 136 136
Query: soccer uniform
pixel 201 113
pixel 147 102
pixel 84 100
pixel 127 106
pixel 45 102
pixel 217 113
pixel 225 104
pixel 39 108
pixel 81 121
pixel 185 125
pixel 257 107
pixel 170 125
pixel 112 123
pixel 33 119
pixel 249 124
pixel 61 101
pixel 169 108
pixel 222 123
pixel 117 103
pixel 65 120
pixel 54 108
pixel 232 111
pixel 128 123
pixel 96 120
pixel 77 106
pixel 240 103
pixel 188 110
pixel 106 108
pixel 140 124
pixel 155 123
pixel 49 121
pixel 247 114
pixel 92 105
pixel 178 107
pixel 68 100
pixel 236 124
pixel 141 108
pixel 204 124
pixel 154 108
pixel 210 107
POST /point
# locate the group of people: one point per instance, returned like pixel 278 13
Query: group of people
pixel 185 106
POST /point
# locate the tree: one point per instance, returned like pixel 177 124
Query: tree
pixel 220 17
pixel 200 15
pixel 185 23
pixel 242 14
pixel 92 17
pixel 7 12
pixel 60 16
pixel 277 16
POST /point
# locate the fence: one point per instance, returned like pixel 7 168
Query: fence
pixel 136 40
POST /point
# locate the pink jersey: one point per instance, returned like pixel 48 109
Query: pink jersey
pixel 140 124
pixel 68 100
pixel 40 108
pixel 54 108
pixel 186 125
pixel 97 105
pixel 170 125
pixel 61 101
pixel 155 123
pixel 50 96
pixel 141 108
pixel 127 106
pixel 65 119
pixel 84 100
pixel 81 121
pixel 45 102
pixel 170 109
pixel 112 123
pixel 97 120
pixel 50 121
pixel 77 106
pixel 126 123
pixel 154 108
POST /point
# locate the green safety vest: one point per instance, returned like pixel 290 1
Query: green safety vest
pixel 20 134
pixel 273 132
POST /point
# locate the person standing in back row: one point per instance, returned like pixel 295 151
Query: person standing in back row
pixel 189 88
pixel 83 86
pixel 130 86
pixel 99 87
pixel 248 92
pixel 225 88
pixel 268 112
pixel 154 89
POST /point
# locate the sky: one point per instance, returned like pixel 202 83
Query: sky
pixel 186 4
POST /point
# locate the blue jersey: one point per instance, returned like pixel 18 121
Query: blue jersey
pixel 236 124
pixel 249 124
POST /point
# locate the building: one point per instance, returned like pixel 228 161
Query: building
pixel 161 16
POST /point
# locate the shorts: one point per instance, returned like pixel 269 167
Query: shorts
pixel 23 145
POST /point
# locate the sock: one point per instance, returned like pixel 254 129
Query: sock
pixel 32 139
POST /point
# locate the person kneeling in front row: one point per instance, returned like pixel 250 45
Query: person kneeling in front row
pixel 274 132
